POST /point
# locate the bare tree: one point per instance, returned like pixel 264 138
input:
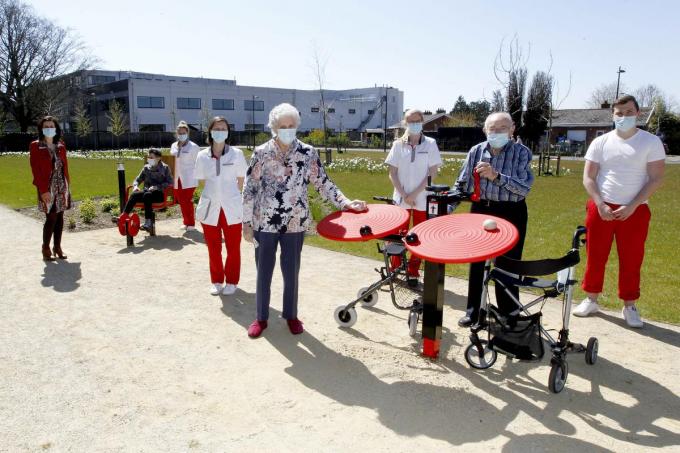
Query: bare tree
pixel 510 70
pixel 33 50
pixel 497 102
pixel 319 70
pixel 82 121
pixel 117 120
pixel 604 94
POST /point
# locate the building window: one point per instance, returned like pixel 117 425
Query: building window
pixel 254 127
pixel 315 109
pixel 152 128
pixel 189 103
pixel 371 112
pixel 150 102
pixel 248 105
pixel 331 110
pixel 223 104
pixel 99 79
pixel 352 111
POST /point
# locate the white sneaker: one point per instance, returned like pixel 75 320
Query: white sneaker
pixel 216 289
pixel 585 308
pixel 632 317
pixel 189 228
pixel 229 289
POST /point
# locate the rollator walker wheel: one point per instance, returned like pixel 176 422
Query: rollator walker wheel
pixel 345 317
pixel 591 351
pixel 370 300
pixel 413 318
pixel 480 361
pixel 558 375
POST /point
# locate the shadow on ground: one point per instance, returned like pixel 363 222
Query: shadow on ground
pixel 458 416
pixel 62 276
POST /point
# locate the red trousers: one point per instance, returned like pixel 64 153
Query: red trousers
pixel 185 197
pixel 413 263
pixel 231 269
pixel 630 237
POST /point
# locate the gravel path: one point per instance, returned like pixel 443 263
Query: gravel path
pixel 124 350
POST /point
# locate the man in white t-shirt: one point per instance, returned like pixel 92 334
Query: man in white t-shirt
pixel 413 158
pixel 623 169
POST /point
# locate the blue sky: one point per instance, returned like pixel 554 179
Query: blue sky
pixel 432 50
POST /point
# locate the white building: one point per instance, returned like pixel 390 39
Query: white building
pixel 157 102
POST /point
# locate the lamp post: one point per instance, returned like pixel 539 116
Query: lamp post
pixel 252 124
pixel 618 81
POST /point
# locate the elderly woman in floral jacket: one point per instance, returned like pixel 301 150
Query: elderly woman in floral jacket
pixel 276 210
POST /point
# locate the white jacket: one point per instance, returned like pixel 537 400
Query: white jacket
pixel 221 191
pixel 185 162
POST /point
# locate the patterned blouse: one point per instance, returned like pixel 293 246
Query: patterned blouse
pixel 275 195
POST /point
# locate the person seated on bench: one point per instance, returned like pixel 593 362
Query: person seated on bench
pixel 156 177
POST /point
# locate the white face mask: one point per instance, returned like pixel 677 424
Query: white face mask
pixel 182 137
pixel 152 162
pixel 414 128
pixel 286 136
pixel 49 131
pixel 219 136
pixel 622 123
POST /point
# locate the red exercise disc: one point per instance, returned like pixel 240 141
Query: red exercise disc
pixel 461 238
pixel 122 219
pixel 133 224
pixel 381 219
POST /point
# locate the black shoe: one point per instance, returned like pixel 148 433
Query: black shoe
pixel 465 321
pixel 147 225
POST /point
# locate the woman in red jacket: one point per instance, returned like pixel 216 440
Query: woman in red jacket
pixel 50 176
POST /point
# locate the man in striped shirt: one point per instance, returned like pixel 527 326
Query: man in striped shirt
pixel 506 178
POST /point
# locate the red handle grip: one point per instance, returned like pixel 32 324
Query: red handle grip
pixel 477 193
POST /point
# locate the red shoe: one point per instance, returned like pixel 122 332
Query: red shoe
pixel 295 326
pixel 256 328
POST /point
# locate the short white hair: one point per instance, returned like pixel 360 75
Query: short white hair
pixel 281 111
pixel 494 115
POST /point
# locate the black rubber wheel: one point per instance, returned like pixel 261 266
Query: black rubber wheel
pixel 345 317
pixel 480 361
pixel 558 376
pixel 370 300
pixel 413 318
pixel 591 351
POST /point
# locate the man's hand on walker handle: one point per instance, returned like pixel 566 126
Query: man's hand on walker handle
pixel 356 205
pixel 248 232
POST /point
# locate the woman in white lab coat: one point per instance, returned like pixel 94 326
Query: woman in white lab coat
pixel 220 209
pixel 185 152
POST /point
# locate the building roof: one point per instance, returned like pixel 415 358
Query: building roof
pixel 427 119
pixel 593 117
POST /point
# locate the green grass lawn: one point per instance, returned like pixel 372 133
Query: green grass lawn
pixel 556 207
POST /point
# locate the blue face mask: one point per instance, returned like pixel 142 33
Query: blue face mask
pixel 498 140
pixel 219 136
pixel 414 128
pixel 182 137
pixel 623 123
pixel 286 135
pixel 49 131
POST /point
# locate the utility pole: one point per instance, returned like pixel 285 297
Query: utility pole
pixel 385 122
